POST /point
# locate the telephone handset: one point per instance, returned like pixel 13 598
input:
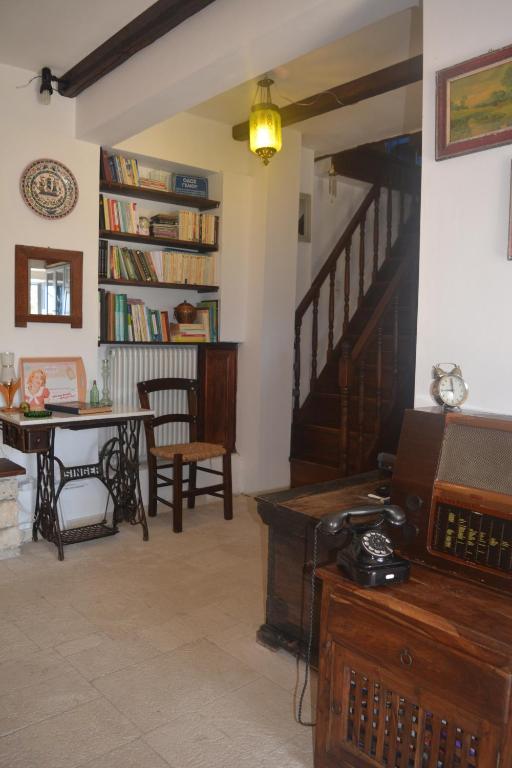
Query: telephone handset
pixel 367 556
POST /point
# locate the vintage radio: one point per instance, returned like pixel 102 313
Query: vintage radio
pixel 453 476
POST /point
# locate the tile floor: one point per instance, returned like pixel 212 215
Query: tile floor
pixel 143 655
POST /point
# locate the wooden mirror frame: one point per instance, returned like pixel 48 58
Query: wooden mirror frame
pixel 22 255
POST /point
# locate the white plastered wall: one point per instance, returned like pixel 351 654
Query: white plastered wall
pixel 465 307
pixel 258 262
pixel 29 131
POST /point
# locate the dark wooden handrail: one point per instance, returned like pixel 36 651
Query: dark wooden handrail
pixel 373 322
pixel 338 249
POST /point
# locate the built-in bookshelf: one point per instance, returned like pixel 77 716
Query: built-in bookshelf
pixel 139 225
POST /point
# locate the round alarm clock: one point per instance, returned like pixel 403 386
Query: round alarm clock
pixel 448 387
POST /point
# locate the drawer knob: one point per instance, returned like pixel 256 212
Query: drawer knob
pixel 406 658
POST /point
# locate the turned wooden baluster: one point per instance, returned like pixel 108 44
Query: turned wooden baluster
pixel 296 366
pixel 314 340
pixel 376 236
pixel 395 343
pixel 389 222
pixel 360 415
pixel 378 393
pixel 332 279
pixel 362 234
pixel 346 310
pixel 345 375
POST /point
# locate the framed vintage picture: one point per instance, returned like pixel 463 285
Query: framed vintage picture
pixel 304 227
pixel 474 104
pixel 509 249
pixel 52 380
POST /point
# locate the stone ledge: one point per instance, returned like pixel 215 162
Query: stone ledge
pixel 8 488
pixel 10 540
pixel 8 514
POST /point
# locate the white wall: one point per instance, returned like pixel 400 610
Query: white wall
pixel 28 131
pixel 258 261
pixel 465 307
pixel 226 44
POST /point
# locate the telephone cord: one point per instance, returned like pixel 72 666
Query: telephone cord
pixel 311 628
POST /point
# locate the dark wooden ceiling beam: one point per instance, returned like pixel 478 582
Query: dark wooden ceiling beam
pixel 374 84
pixel 143 30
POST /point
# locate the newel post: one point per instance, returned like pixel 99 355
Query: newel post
pixel 345 376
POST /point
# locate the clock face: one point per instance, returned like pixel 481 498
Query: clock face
pixel 452 390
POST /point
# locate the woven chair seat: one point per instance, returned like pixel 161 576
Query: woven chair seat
pixel 189 451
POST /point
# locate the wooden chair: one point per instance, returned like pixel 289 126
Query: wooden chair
pixel 180 455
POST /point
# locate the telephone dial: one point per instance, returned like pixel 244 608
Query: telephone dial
pixel 367 555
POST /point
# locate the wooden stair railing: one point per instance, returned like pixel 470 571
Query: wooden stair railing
pixel 368 349
pixel 357 225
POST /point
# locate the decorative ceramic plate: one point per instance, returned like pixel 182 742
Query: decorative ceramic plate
pixel 49 188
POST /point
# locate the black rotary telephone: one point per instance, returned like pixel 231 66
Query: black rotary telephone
pixel 367 555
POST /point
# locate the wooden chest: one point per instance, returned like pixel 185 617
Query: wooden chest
pixel 414 676
pixel 291 517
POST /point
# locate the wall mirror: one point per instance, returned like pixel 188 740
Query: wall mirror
pixel 48 286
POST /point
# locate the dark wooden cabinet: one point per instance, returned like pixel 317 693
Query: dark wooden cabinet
pixel 413 676
pixel 217 374
pixel 291 517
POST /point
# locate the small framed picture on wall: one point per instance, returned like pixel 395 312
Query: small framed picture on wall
pixel 509 248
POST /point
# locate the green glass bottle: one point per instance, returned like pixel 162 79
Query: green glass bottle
pixel 94 396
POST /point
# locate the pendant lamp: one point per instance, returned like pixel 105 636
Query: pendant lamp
pixel 265 136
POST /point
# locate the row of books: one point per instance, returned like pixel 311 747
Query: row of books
pixel 118 215
pixel 117 263
pixel 127 170
pixel 123 170
pixel 189 226
pixel 122 318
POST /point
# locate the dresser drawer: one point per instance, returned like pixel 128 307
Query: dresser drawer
pixel 429 664
pixel 26 440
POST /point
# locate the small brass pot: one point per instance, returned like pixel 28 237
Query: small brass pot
pixel 185 312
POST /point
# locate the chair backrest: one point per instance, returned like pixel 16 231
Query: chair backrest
pixel 146 388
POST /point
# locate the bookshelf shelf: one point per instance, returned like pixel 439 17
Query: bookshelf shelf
pixel 163 343
pixel 157 196
pixel 154 284
pixel 182 245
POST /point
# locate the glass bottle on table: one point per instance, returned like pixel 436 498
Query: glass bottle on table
pixel 94 395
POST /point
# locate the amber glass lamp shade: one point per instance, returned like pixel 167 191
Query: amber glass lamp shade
pixel 265 134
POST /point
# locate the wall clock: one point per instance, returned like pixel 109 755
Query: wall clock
pixel 49 188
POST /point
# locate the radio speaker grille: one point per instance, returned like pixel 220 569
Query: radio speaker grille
pixel 477 457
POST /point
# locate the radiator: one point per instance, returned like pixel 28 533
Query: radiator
pixel 130 365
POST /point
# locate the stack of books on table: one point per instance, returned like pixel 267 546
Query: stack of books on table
pixel 192 332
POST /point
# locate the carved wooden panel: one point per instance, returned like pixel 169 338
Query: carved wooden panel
pixel 372 716
pixel 217 374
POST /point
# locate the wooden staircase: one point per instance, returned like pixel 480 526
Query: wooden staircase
pixel 360 351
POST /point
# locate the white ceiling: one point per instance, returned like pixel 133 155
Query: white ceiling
pixel 394 39
pixel 59 33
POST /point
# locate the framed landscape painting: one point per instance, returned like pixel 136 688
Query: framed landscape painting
pixel 474 104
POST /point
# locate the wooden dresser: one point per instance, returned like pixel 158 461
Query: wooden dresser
pixel 414 676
